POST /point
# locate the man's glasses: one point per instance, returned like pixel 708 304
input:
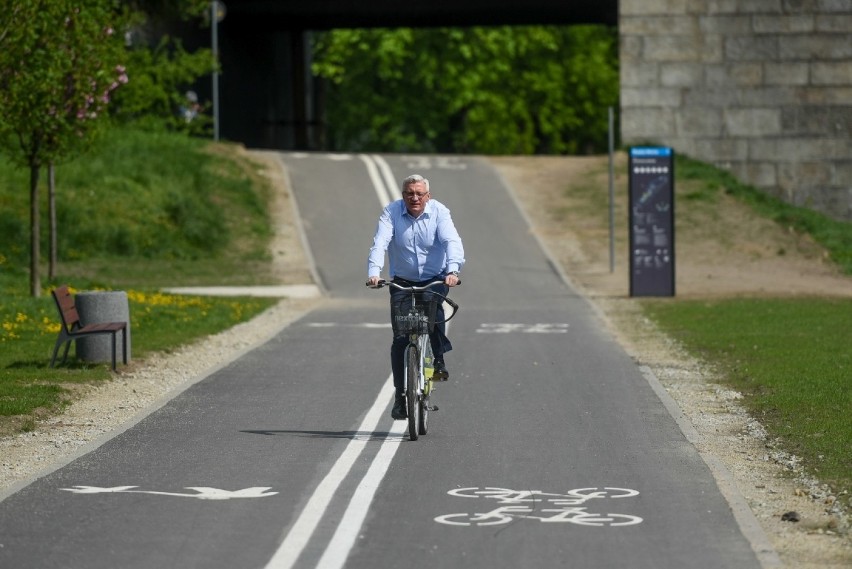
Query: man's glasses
pixel 412 195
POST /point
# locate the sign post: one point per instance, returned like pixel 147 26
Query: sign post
pixel 652 243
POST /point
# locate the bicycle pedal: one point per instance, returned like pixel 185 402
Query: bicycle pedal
pixel 432 407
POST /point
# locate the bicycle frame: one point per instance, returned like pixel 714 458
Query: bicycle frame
pixel 415 323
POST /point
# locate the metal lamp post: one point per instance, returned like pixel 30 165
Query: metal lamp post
pixel 217 14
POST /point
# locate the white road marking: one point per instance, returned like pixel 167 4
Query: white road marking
pixel 382 192
pixel 507 328
pixel 427 162
pixel 338 549
pixel 332 156
pixel 526 505
pixel 391 187
pixel 341 543
pixel 302 530
pixel 356 325
pixel 202 492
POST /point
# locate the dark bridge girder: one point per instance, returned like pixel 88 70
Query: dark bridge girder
pixel 328 14
pixel 268 97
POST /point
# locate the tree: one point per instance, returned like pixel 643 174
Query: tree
pixel 511 90
pixel 60 60
pixel 164 71
pixel 161 75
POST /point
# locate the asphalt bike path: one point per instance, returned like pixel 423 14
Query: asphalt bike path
pixel 549 448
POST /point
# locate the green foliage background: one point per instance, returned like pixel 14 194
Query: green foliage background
pixel 488 90
pixel 159 78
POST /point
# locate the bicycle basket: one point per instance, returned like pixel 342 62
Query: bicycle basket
pixel 419 320
pixel 413 321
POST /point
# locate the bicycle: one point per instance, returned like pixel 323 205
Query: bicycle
pixel 415 322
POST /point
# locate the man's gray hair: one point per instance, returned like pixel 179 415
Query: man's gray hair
pixel 414 178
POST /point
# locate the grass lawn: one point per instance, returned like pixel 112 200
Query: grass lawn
pixel 145 210
pixel 791 358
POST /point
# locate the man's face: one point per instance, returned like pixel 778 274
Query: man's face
pixel 415 195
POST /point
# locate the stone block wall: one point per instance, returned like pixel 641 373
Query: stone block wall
pixel 762 88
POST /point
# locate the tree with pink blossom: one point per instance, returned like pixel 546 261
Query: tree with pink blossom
pixel 60 62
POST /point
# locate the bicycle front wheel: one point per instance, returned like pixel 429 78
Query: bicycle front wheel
pixel 412 381
pixel 426 362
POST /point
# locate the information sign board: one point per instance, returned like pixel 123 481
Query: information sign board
pixel 652 243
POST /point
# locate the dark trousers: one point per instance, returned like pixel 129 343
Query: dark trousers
pixel 437 335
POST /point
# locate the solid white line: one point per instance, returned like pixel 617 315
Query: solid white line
pixel 299 535
pixel 338 549
pixel 390 181
pixel 341 543
pixel 375 177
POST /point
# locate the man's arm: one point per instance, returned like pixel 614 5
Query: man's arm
pixel 451 241
pixel 381 240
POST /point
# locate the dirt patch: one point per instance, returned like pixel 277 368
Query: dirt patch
pixel 722 248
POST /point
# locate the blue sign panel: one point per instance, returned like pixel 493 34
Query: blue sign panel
pixel 652 246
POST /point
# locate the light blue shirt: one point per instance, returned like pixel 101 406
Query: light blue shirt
pixel 418 249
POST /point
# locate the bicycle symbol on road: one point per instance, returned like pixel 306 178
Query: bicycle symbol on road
pixel 527 504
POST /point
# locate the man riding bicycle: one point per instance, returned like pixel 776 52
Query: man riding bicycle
pixel 423 245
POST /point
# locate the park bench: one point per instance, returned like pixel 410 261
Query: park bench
pixel 72 328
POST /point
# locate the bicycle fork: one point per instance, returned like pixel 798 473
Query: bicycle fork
pixel 427 371
pixel 423 382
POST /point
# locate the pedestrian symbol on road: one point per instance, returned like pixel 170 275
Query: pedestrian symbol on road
pixel 201 492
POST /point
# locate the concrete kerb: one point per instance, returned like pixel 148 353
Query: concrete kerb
pixel 276 291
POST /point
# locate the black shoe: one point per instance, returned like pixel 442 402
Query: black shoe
pixel 440 373
pixel 398 412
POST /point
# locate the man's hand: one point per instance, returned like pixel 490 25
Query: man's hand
pixel 451 280
pixel 373 281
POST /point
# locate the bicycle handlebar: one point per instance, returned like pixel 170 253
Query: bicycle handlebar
pixel 383 283
pixel 412 289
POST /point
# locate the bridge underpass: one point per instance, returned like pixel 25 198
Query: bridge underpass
pixel 268 98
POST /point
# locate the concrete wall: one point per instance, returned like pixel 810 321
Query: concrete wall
pixel 760 87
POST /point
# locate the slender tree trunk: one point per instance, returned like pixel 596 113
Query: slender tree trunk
pixel 35 280
pixel 51 205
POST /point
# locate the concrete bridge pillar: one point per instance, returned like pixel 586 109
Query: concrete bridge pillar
pixel 763 89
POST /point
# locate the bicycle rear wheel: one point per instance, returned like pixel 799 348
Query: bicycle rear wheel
pixel 423 418
pixel 412 381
